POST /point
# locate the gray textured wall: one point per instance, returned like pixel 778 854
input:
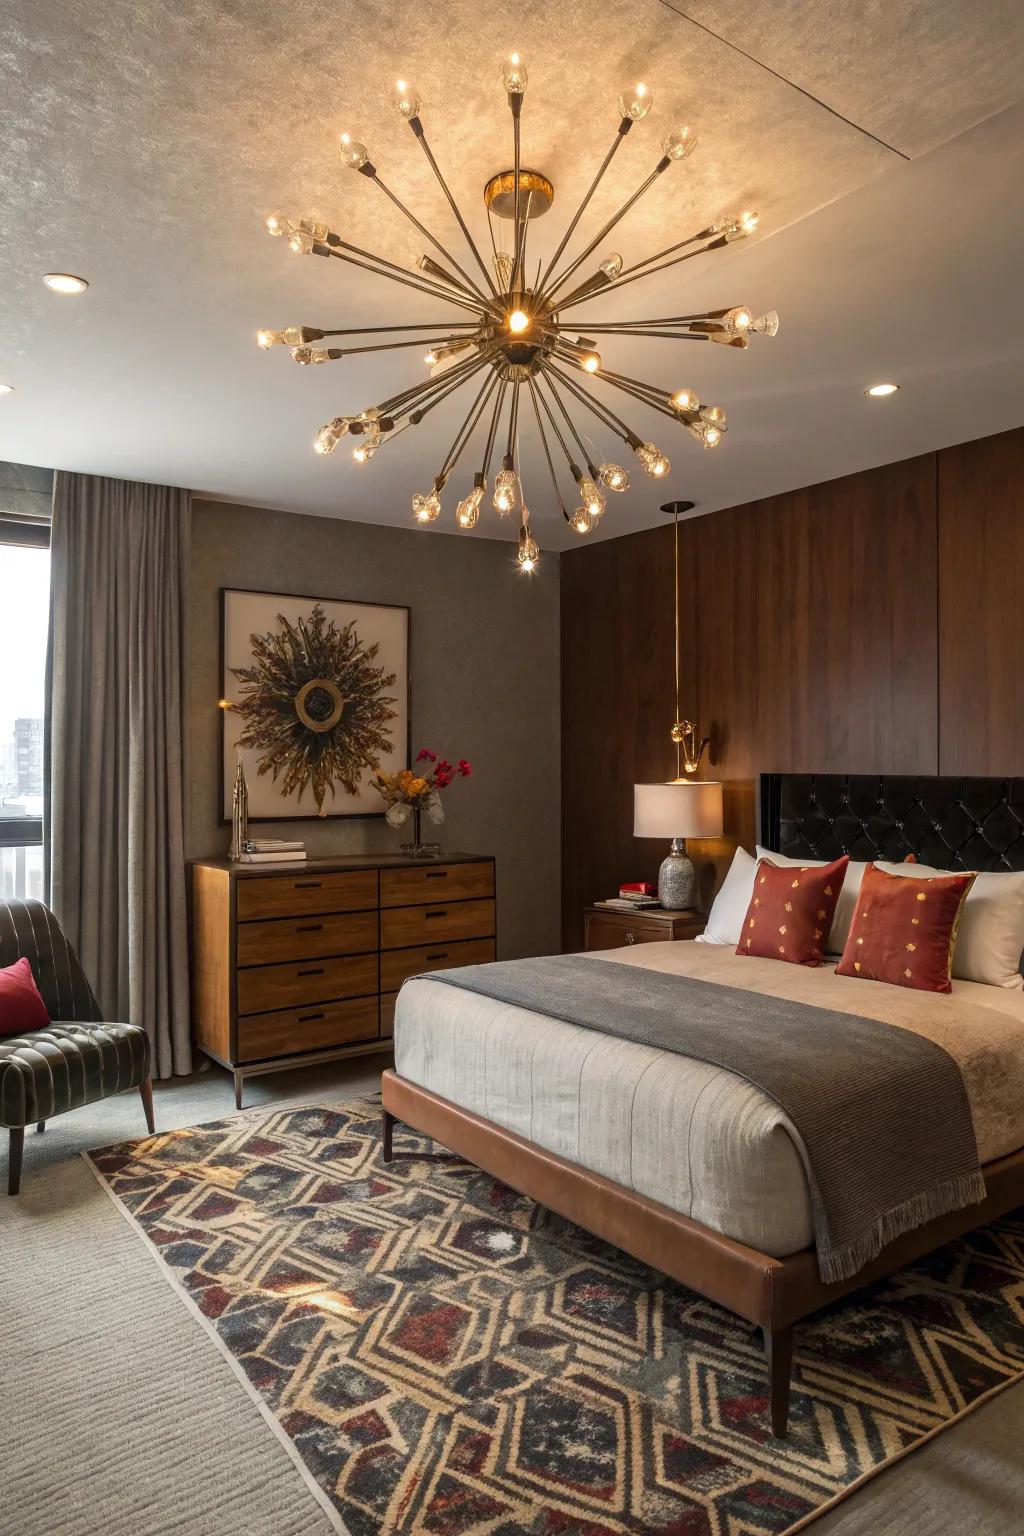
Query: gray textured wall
pixel 485 685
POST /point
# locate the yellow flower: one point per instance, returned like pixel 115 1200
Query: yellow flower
pixel 417 786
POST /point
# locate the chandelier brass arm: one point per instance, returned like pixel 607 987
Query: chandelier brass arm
pixel 514 332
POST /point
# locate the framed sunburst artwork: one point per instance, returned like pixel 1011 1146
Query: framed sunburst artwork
pixel 314 699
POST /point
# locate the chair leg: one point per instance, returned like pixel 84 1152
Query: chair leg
pixel 778 1348
pixel 14 1164
pixel 41 1127
pixel 388 1126
pixel 146 1095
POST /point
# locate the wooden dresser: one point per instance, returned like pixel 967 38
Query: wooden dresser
pixel 299 963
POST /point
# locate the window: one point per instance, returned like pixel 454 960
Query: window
pixel 24 616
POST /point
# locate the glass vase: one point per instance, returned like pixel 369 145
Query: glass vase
pixel 418 849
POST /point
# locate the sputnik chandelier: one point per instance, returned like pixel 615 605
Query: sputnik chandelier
pixel 518 334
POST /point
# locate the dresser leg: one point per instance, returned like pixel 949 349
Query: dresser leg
pixel 778 1348
pixel 388 1126
pixel 239 1082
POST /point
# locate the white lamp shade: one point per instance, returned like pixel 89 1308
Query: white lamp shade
pixel 684 808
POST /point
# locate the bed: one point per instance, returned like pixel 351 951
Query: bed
pixel 684 1164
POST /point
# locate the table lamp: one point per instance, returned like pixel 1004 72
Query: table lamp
pixel 680 809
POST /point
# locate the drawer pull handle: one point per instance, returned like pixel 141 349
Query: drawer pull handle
pixel 306 885
pixel 307 1018
pixel 630 937
pixel 437 874
pixel 309 928
pixel 316 971
pixel 443 955
pixel 436 914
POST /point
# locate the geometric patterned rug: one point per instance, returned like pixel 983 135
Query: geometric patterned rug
pixel 443 1357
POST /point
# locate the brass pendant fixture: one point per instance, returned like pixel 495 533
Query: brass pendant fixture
pixel 690 745
pixel 515 334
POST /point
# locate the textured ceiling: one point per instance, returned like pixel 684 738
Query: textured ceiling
pixel 145 142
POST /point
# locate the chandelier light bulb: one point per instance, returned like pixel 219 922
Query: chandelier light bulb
pixel 612 266
pixel 291 335
pixel 738 228
pixel 737 320
pixel 590 362
pixel 682 141
pixel 308 233
pixel 581 521
pixel 267 339
pixel 506 490
pixel 636 103
pixel 653 460
pixel 353 154
pixel 613 477
pixel 279 224
pixel 711 434
pixel 766 325
pixel 513 75
pixel 406 99
pixel 518 322
pixel 426 509
pixel 430 358
pixel 748 221
pixel 306 355
pixel 467 513
pixel 593 501
pixel 364 453
pixel 528 554
pixel 330 434
pixel 715 417
pixel 685 400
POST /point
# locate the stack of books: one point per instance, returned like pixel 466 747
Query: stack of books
pixel 634 896
pixel 269 850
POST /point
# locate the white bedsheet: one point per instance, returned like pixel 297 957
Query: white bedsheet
pixel 694 1137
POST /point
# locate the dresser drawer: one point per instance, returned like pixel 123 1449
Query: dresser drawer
pixel 290 1030
pixel 261 987
pixel 397 964
pixel 402 927
pixel 293 895
pixel 435 883
pixel 285 938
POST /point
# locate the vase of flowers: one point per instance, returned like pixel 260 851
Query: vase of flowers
pixel 412 793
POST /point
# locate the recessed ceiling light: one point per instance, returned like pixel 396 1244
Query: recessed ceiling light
pixel 878 390
pixel 65 282
pixel 6 389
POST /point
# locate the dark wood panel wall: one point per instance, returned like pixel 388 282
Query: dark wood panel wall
pixel 870 624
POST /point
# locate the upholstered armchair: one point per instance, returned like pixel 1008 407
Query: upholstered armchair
pixel 79 1059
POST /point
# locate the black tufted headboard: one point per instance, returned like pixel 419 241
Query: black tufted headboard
pixel 951 823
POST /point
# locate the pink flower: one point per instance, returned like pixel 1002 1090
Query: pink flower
pixel 465 768
pixel 421 754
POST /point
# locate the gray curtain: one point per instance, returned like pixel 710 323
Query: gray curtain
pixel 115 759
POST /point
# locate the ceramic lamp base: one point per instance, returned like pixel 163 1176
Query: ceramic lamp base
pixel 677 879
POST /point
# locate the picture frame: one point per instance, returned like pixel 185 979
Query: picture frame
pixel 247 612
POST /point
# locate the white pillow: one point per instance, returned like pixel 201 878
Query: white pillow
pixel 847 903
pixel 729 907
pixel 991 933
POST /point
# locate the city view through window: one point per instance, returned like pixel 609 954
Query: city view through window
pixel 24 603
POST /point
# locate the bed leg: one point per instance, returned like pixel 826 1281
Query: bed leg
pixel 778 1348
pixel 387 1128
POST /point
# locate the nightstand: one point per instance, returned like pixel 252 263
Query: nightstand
pixel 613 927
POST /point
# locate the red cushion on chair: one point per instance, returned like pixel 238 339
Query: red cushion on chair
pixel 904 930
pixel 21 1006
pixel 791 911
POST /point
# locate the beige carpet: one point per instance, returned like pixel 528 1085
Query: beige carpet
pixel 123 1417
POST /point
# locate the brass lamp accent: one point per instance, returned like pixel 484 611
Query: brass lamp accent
pixel 690 745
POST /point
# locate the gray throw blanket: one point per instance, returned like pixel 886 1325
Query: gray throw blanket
pixel 882 1113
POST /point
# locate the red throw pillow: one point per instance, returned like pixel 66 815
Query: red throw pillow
pixel 904 930
pixel 21 1006
pixel 791 911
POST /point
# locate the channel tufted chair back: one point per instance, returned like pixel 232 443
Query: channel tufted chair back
pixel 29 929
pixel 78 1059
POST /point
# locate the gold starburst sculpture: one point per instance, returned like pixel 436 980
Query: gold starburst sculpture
pixel 314 706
